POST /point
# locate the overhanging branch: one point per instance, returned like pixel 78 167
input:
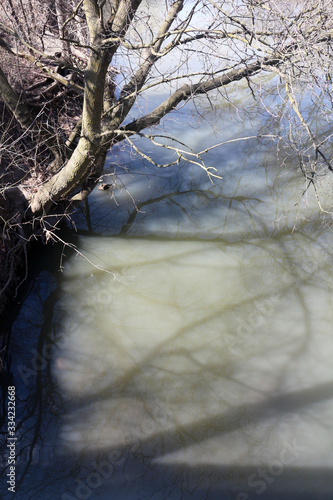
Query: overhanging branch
pixel 199 88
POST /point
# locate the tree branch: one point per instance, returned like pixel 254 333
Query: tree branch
pixel 14 103
pixel 202 87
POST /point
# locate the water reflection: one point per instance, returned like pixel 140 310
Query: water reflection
pixel 188 353
pixel 201 353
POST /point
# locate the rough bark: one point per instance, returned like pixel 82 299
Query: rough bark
pixel 257 37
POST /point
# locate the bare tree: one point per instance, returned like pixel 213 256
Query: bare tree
pixel 72 73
